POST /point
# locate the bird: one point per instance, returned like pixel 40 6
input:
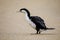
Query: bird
pixel 35 21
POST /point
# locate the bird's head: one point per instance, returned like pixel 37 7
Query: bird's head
pixel 23 10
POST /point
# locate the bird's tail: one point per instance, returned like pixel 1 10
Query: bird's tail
pixel 50 28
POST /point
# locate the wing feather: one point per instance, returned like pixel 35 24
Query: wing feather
pixel 38 20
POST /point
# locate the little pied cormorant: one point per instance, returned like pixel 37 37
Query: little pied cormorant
pixel 35 21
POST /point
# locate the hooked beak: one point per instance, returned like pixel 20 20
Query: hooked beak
pixel 18 11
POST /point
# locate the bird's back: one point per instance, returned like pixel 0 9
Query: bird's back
pixel 38 21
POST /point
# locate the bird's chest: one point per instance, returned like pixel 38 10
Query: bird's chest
pixel 31 22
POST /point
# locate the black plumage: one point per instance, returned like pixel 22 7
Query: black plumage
pixel 38 21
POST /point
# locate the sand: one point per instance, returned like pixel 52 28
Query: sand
pixel 13 25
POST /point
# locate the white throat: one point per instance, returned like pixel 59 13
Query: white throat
pixel 30 22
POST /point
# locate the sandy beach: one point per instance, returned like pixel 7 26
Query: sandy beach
pixel 13 25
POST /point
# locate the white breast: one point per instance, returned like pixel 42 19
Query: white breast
pixel 30 22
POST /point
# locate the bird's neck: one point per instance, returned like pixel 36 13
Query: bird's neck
pixel 28 15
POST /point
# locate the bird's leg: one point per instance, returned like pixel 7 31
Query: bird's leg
pixel 37 29
pixel 37 32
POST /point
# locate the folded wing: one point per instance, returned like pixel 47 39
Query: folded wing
pixel 38 20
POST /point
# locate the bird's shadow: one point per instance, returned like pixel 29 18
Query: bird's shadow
pixel 42 34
